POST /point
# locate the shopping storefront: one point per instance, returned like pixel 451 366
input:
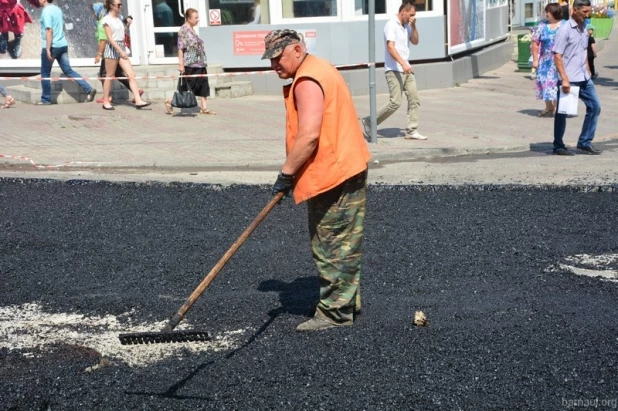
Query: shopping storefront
pixel 234 29
pixel 528 12
pixel 337 29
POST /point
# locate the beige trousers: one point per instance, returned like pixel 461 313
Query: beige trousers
pixel 399 83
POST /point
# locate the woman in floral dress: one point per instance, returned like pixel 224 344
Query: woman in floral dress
pixel 192 61
pixel 543 58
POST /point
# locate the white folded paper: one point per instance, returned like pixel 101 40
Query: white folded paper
pixel 567 104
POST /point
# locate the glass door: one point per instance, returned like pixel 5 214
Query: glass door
pixel 165 18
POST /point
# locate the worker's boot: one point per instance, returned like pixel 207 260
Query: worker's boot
pixel 316 323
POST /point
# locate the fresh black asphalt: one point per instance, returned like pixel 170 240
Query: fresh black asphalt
pixel 505 333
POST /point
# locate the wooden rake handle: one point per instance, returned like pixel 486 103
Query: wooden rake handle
pixel 173 322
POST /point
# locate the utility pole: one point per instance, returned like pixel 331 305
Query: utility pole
pixel 372 71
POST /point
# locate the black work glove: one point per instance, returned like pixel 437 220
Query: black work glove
pixel 283 184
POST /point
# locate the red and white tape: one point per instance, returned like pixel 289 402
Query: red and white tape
pixel 28 159
pixel 31 161
pixel 242 73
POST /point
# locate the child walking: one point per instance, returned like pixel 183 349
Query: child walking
pixel 592 52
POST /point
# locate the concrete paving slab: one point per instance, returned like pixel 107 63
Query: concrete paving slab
pixel 495 113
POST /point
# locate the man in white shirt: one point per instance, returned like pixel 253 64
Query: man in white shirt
pixel 399 32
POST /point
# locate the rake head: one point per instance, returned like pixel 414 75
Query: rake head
pixel 163 337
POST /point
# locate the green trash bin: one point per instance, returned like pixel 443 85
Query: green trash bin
pixel 523 52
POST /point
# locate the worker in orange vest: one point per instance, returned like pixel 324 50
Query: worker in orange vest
pixel 326 165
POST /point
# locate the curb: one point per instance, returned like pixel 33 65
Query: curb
pixel 423 153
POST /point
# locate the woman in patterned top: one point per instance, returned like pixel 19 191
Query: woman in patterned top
pixel 543 59
pixel 192 61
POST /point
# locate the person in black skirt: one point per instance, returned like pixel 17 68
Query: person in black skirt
pixel 192 61
pixel 99 13
pixel 592 52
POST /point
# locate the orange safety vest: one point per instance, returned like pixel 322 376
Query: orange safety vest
pixel 341 152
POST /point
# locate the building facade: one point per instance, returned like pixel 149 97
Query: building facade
pixel 234 29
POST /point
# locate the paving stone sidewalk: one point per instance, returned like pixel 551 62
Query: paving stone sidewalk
pixel 494 113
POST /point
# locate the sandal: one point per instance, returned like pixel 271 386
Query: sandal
pixel 102 100
pixel 9 101
pixel 545 113
pixel 208 111
pixel 141 106
pixel 168 108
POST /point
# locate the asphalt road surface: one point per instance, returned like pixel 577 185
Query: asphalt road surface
pixel 81 262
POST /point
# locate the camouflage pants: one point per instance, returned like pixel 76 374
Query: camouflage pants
pixel 336 228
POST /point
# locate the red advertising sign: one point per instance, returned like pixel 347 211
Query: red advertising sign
pixel 248 43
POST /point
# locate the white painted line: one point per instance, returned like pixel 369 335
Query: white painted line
pixel 610 275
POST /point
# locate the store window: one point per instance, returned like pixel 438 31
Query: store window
pixel 423 5
pixel 242 11
pixel 166 18
pixel 166 13
pixel 309 8
pixel 361 7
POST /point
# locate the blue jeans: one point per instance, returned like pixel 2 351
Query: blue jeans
pixel 61 55
pixel 587 94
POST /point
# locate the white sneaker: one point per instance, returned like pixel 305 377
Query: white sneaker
pixel 415 136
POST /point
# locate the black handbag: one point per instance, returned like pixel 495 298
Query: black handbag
pixel 183 97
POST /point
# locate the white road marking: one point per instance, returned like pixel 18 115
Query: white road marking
pixel 602 264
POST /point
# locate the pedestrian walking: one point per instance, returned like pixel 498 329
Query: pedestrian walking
pixel 592 51
pixel 13 18
pixel 99 13
pixel 192 62
pixel 571 61
pixel 566 10
pixel 399 32
pixel 9 101
pixel 326 165
pixel 115 55
pixel 543 59
pixel 56 48
pixel 127 21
